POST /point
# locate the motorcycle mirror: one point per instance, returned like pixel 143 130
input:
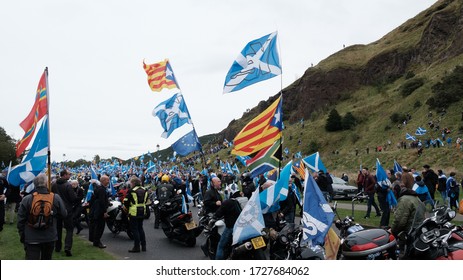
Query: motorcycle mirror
pixel 156 202
pixel 451 214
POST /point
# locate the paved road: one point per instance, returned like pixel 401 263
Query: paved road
pixel 158 246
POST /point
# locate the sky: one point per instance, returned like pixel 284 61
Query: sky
pixel 100 101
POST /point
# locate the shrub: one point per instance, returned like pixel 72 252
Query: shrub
pixel 410 86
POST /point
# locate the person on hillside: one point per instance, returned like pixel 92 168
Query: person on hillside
pixel 67 194
pixel 39 243
pixel 369 187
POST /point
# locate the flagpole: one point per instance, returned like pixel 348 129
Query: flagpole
pixel 48 128
pixel 281 97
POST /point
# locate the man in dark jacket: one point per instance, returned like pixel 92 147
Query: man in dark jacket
pixel 39 243
pixel 67 194
pixel 98 206
pixel 430 179
pixel 369 183
pixel 212 198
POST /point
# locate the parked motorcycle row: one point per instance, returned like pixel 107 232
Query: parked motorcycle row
pixel 436 238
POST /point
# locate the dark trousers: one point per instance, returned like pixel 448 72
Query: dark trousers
pixel 136 225
pixel 42 251
pixel 66 223
pixel 382 199
pixel 76 217
pixel 96 229
pixel 371 201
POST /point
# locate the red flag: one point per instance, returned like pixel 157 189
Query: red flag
pixel 160 75
pixel 39 109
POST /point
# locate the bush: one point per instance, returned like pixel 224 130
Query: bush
pixel 397 118
pixel 417 104
pixel 313 147
pixel 334 121
pixel 410 86
pixel 449 91
pixel 348 121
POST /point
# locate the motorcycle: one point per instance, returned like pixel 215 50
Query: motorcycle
pixel 434 239
pixel 358 243
pixel 117 220
pixel 178 225
pixel 251 249
pixel 213 230
pixel 286 245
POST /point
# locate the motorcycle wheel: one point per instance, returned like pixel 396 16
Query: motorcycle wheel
pixel 211 248
pixel 191 240
pixel 111 226
pixel 259 254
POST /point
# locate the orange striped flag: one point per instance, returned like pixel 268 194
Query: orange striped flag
pixel 160 76
pixel 39 109
pixel 299 167
pixel 261 132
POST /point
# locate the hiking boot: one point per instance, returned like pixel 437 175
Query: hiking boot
pixel 68 253
pixel 134 250
pixel 143 248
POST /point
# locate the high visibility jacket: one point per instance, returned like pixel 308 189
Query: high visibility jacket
pixel 137 199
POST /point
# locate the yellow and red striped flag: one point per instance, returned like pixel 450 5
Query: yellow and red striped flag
pixel 160 76
pixel 261 132
pixel 299 167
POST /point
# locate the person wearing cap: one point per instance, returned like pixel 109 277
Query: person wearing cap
pixel 430 179
pixel 229 210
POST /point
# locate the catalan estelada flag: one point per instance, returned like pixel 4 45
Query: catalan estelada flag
pixel 160 76
pixel 261 132
pixel 39 109
pixel 299 167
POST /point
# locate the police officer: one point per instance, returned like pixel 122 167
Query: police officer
pixel 135 202
pixel 163 192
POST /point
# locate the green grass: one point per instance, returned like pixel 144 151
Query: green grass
pixel 12 249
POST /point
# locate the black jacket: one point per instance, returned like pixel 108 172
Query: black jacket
pixel 210 199
pixel 66 192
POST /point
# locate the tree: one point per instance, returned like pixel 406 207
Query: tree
pixel 334 121
pixel 348 121
pixel 7 148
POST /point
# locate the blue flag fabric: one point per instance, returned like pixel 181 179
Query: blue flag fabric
pixel 243 159
pixel 397 167
pixel 420 131
pixel 184 207
pixel 381 176
pixel 173 113
pixel 410 137
pixel 271 196
pixel 286 150
pixel 236 169
pixel 258 61
pixel 187 144
pixel 314 162
pixel 317 214
pixel 34 162
pixel 250 222
pixel 90 190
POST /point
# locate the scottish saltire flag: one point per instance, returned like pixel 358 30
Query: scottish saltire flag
pixel 90 190
pixel 151 166
pixel 228 168
pixel 317 214
pixel 286 150
pixel 420 131
pixel 298 155
pixel 160 76
pixel 111 189
pixel 261 132
pixel 397 167
pixel 258 61
pixel 265 160
pixel 243 159
pixel 188 191
pixel 38 111
pixel 187 144
pixel 410 137
pixel 271 196
pixel 314 162
pixel 250 222
pixel 172 113
pixel 297 193
pixel 381 176
pixel 35 161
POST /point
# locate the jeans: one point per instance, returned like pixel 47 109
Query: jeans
pixel 225 240
pixel 40 251
pixel 371 201
pixel 136 225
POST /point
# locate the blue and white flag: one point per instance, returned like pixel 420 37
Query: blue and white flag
pixel 381 176
pixel 258 61
pixel 243 159
pixel 111 189
pixel 90 190
pixel 271 196
pixel 410 137
pixel 184 207
pixel 34 162
pixel 420 131
pixel 397 167
pixel 314 163
pixel 317 214
pixel 172 113
pixel 250 222
pixel 236 169
pixel 298 155
pixel 286 150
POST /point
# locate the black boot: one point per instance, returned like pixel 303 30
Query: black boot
pixel 135 250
